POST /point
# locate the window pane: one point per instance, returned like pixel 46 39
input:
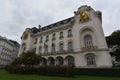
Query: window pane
pixel 88 41
pixel 90 60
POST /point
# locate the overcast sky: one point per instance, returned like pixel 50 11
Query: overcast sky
pixel 16 15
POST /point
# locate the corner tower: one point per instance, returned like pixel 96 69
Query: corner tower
pixel 89 38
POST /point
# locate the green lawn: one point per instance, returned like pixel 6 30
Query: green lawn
pixel 6 76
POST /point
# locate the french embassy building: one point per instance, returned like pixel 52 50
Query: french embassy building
pixel 77 41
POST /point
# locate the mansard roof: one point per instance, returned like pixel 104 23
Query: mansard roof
pixel 59 23
pixel 51 26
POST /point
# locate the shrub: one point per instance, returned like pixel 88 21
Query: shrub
pixel 28 58
pixel 98 71
pixel 42 70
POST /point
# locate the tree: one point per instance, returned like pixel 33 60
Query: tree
pixel 28 58
pixel 116 54
pixel 114 38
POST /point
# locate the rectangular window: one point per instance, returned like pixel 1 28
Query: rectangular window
pixel 46 49
pixel 47 38
pixel 40 49
pixel 34 50
pixel 35 42
pixel 61 35
pixel 53 37
pixel 70 46
pixel 41 39
pixel 70 33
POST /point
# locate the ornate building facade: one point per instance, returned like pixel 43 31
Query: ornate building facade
pixel 77 41
pixel 8 51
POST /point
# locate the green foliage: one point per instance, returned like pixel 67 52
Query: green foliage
pixel 28 63
pixel 116 54
pixel 64 71
pixel 114 72
pixel 42 70
pixel 114 38
pixel 28 58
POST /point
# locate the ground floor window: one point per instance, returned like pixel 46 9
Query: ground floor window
pixel 90 59
pixel 51 61
pixel 70 60
pixel 60 60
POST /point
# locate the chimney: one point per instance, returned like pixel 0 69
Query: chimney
pixel 39 26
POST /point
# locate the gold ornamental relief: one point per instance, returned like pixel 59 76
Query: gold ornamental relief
pixel 25 35
pixel 84 16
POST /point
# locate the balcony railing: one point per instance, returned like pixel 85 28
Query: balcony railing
pixel 61 37
pixel 57 52
pixel 89 48
pixel 69 35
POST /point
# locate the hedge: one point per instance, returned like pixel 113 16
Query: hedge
pixel 42 70
pixel 63 71
pixel 113 72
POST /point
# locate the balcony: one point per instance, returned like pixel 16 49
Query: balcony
pixel 69 35
pixel 61 37
pixel 89 48
pixel 58 52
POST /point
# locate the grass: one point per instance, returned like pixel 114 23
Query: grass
pixel 6 76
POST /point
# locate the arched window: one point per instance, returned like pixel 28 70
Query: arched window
pixel 43 61
pixel 51 61
pixel 70 46
pixel 61 47
pixel 70 60
pixel 53 47
pixel 60 61
pixel 88 41
pixel 91 59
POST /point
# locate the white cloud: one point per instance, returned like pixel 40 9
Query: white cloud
pixel 16 15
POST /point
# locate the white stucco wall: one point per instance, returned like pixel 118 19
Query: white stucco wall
pixel 103 58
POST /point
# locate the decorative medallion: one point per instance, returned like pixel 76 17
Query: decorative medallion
pixel 25 35
pixel 84 16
